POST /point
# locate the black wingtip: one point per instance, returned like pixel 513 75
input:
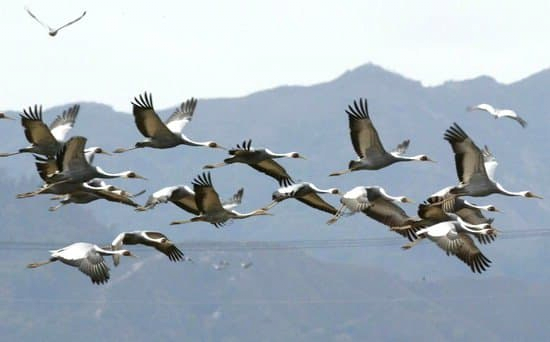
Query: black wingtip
pixel 455 134
pixel 32 114
pixel 144 100
pixel 359 110
pixel 204 179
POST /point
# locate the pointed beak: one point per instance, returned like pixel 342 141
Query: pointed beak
pixel 173 223
pixel 338 173
pixel 138 193
pixel 270 205
pixel 265 212
pixel 105 152
pixel 121 150
pixel 536 196
pixel 302 157
pixel 6 117
pixel 407 200
pixel 140 177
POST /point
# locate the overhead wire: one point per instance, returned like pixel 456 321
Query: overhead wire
pixel 217 245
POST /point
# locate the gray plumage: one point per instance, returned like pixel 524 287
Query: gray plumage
pixel 160 134
pixel 367 145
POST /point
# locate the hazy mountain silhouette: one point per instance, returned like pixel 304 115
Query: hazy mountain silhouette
pixel 391 300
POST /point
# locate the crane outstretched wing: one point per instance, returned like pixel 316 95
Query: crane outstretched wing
pixel 364 136
pixel 147 120
pixel 177 121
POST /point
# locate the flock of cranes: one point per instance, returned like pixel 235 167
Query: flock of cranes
pixel 446 218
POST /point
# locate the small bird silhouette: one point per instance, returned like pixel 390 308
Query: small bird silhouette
pixel 52 32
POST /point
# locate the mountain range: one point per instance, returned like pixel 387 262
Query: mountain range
pixel 373 290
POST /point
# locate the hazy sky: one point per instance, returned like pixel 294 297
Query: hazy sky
pixel 178 49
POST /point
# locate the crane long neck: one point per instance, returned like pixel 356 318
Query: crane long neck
pixel 407 158
pixel 103 174
pixel 509 193
pixel 316 189
pixel 109 252
pixel 472 228
pixel 475 206
pixel 190 142
pixel 251 213
pixel 279 155
pixel 391 198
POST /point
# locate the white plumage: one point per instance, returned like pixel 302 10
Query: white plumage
pixel 454 238
pixel 353 201
pixel 499 113
pixel 87 257
pixel 361 198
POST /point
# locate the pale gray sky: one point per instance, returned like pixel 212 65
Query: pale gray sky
pixel 178 49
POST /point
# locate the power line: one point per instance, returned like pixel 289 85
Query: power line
pixel 255 302
pixel 214 245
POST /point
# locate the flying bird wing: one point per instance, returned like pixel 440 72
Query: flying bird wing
pixel 38 20
pixel 46 167
pixel 469 159
pixel 244 148
pixel 72 21
pixel 489 162
pixel 36 130
pixel 391 215
pixel 117 245
pixel 273 169
pixel 520 120
pixel 470 215
pixel 483 106
pixel 94 266
pixel 187 203
pixel 177 121
pixel 72 154
pixel 508 113
pixel 147 120
pixel 114 196
pixel 486 239
pixel 470 254
pixel 234 201
pixel 206 197
pixel 167 247
pixel 364 136
pixel 401 148
pixel 63 123
pixel 315 201
pixel 431 214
